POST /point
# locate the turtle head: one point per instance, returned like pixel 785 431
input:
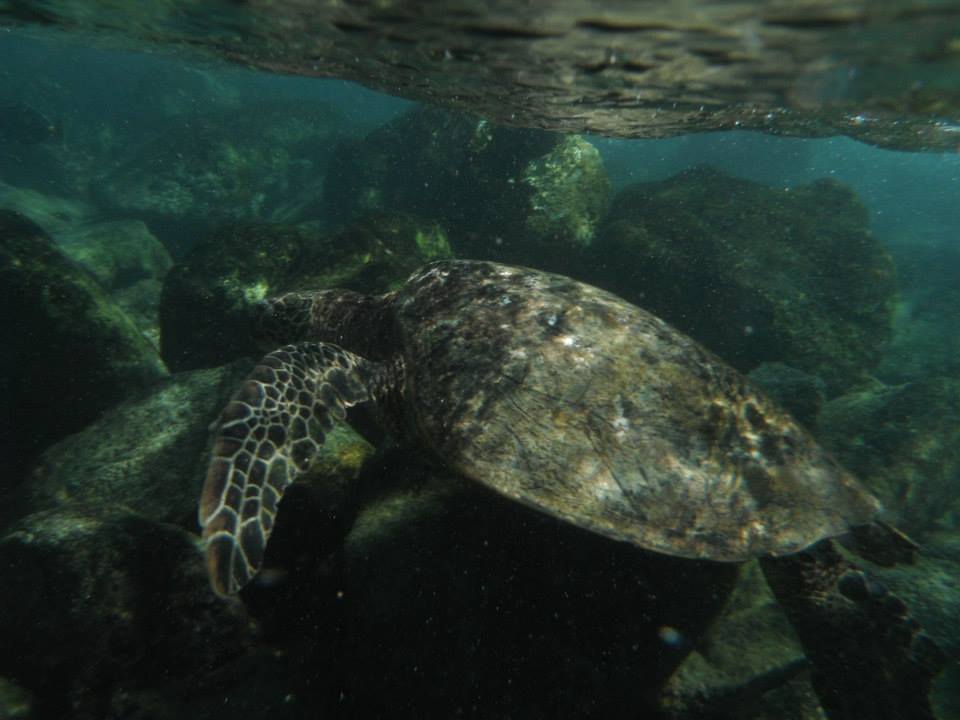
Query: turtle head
pixel 357 322
pixel 283 319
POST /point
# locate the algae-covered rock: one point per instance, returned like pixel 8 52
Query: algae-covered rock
pixel 54 214
pixel 146 454
pixel 448 596
pixel 801 393
pixel 755 273
pixel 66 352
pixel 504 194
pixel 149 454
pixel 931 588
pixel 99 605
pixel 750 664
pixel 128 262
pixel 904 442
pixel 264 163
pixel 568 194
pixel 926 324
pixel 204 308
pixel 117 253
pixel 15 702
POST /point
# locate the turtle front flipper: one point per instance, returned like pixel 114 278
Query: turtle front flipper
pixel 267 437
pixel 869 658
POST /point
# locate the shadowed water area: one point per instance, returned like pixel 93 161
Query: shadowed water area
pixel 478 359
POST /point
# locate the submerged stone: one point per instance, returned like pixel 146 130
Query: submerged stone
pixel 100 606
pixel 447 596
pixel 801 393
pixel 66 352
pixel 148 454
pixel 504 194
pixel 145 454
pixel 926 324
pixel 128 262
pixel 749 665
pixel 204 310
pixel 757 274
pixel 117 253
pixel 264 163
pixel 904 441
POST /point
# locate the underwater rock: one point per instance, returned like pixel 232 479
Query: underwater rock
pixel 749 665
pixel 15 702
pixel 504 194
pixel 204 310
pixel 926 325
pixel 99 606
pixel 799 392
pixel 757 274
pixel 146 454
pixel 931 588
pixel 117 253
pixel 128 262
pixel 55 215
pixel 21 124
pixel 263 164
pixel 446 596
pixel 149 453
pixel 66 352
pixel 904 442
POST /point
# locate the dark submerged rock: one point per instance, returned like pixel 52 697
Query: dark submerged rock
pixel 505 194
pixel 450 599
pixel 100 606
pixel 66 352
pixel 926 326
pixel 799 392
pixel 128 262
pixel 749 664
pixel 757 274
pixel 204 310
pixel 904 441
pixel 149 453
pixel 146 454
pixel 117 253
pixel 264 163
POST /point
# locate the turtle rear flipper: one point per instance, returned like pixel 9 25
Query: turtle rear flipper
pixel 869 657
pixel 268 435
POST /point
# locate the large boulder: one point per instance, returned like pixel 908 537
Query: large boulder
pixel 117 253
pixel 100 607
pixel 149 454
pixel 453 600
pixel 505 194
pixel 52 213
pixel 904 442
pixel 66 352
pixel 926 327
pixel 128 262
pixel 263 164
pixel 146 454
pixel 757 274
pixel 204 310
pixel 749 665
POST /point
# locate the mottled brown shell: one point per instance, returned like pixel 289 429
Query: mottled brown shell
pixel 571 400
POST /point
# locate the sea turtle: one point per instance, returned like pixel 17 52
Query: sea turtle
pixel 567 398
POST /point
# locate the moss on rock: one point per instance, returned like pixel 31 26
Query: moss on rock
pixel 204 310
pixel 755 273
pixel 504 194
pixel 66 352
pixel 904 442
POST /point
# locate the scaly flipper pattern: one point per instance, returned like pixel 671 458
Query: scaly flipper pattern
pixel 267 437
